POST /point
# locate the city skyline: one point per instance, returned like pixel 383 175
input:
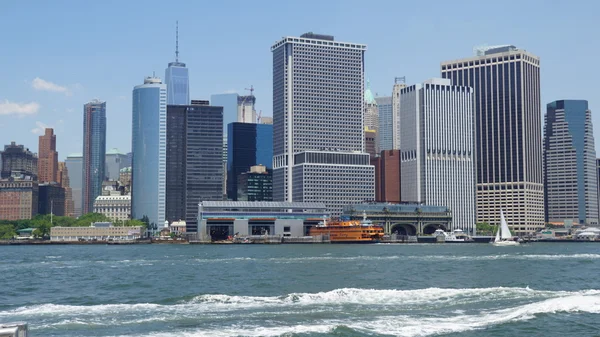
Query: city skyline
pixel 51 92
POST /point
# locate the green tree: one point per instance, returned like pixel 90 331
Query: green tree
pixel 86 219
pixel 484 228
pixel 7 232
pixel 42 230
pixel 134 222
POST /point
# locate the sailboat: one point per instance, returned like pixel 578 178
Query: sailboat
pixel 503 235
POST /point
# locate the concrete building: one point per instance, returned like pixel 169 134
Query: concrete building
pixel 115 207
pixel 318 124
pixel 371 142
pixel 221 219
pixel 399 84
pixel 255 185
pixel 570 179
pixel 387 176
pixel 94 150
pixel 437 148
pixel 177 78
pixel 18 199
pixel 403 219
pixel 248 145
pixel 149 146
pixel 195 160
pixel 115 160
pixel 506 83
pixel 125 179
pixel 65 182
pixel 47 157
pixel 386 129
pixel 74 164
pixel 371 111
pixel 18 161
pixel 51 199
pixel 266 120
pixel 246 111
pixel 108 233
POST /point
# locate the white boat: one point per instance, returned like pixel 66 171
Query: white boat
pixel 456 236
pixel 503 235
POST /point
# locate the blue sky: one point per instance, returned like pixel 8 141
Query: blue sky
pixel 57 55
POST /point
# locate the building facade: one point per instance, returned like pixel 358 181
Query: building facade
pixel 74 164
pixel 115 161
pixel 94 151
pixel 47 157
pixel 387 176
pixel 104 233
pixel 65 182
pixel 386 127
pixel 248 144
pixel 255 185
pixel 437 139
pixel 177 78
pixel 195 160
pixel 114 207
pixel 149 140
pixel 371 142
pixel 312 112
pixel 17 160
pixel 51 199
pixel 246 110
pixel 371 111
pixel 18 199
pixel 570 177
pixel 506 83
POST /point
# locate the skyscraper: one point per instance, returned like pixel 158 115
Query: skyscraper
pixel 115 161
pixel 506 84
pixel 570 185
pixel 74 163
pixel 386 129
pixel 94 150
pixel 437 148
pixel 387 176
pixel 149 141
pixel 177 78
pixel 318 123
pixel 47 157
pixel 371 112
pixel 65 182
pixel 17 160
pixel 248 145
pixel 194 160
pixel 246 110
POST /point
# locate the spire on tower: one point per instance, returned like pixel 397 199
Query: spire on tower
pixel 176 41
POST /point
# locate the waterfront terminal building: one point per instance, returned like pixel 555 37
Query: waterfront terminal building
pixel 99 231
pixel 218 220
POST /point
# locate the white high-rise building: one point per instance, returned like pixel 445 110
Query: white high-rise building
pixel 508 134
pixel 149 148
pixel 246 113
pixel 437 138
pixel 318 123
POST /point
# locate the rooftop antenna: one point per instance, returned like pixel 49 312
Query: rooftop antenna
pixel 176 41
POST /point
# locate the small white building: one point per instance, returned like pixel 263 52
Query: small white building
pixel 115 207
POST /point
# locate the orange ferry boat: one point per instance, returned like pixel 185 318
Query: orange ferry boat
pixel 349 231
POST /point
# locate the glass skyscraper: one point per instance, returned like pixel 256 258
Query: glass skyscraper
pixel 195 160
pixel 248 145
pixel 508 136
pixel 177 79
pixel 94 150
pixel 149 141
pixel 571 191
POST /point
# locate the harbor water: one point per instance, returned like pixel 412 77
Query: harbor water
pixel 536 289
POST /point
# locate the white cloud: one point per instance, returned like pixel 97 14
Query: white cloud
pixel 19 109
pixel 39 129
pixel 43 85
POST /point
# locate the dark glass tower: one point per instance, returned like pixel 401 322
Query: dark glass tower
pixel 94 150
pixel 248 145
pixel 194 160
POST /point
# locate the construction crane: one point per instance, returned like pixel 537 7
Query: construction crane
pixel 258 117
pixel 251 90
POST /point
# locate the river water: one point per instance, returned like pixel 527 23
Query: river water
pixel 538 289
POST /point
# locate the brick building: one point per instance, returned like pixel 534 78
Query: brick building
pixel 387 176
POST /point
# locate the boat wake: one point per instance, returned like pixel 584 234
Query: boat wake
pixel 363 311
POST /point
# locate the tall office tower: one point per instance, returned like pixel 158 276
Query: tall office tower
pixel 385 131
pixel 65 182
pixel 18 161
pixel 318 123
pixel 371 142
pixel 229 102
pixel 506 83
pixel 74 163
pixel 194 160
pixel 94 150
pixel 387 176
pixel 115 161
pixel 255 185
pixel 437 148
pixel 246 110
pixel 248 145
pixel 399 84
pixel 47 157
pixel 148 145
pixel 371 112
pixel 225 154
pixel 570 182
pixel 51 199
pixel 177 78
